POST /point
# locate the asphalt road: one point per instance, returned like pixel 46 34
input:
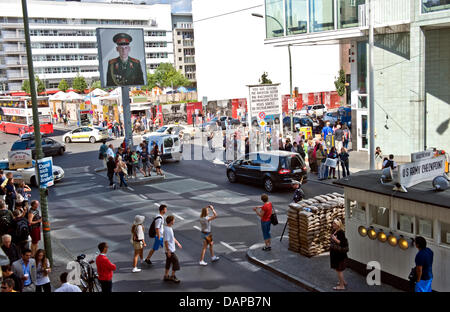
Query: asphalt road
pixel 85 211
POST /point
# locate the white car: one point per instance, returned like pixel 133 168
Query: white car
pixel 28 175
pixel 86 134
pixel 188 132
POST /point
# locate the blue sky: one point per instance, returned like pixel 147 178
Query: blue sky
pixel 178 6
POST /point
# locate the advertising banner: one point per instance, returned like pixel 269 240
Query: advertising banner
pixel 20 159
pixel 424 170
pixel 121 55
pixel 45 167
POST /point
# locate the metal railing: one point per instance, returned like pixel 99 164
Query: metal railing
pixel 386 13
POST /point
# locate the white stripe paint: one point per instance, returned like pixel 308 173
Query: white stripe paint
pixel 228 246
pixel 143 196
pixel 181 218
pixel 197 228
pixel 130 188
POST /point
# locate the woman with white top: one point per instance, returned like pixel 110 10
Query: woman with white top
pixel 43 269
pixel 205 222
pixel 138 240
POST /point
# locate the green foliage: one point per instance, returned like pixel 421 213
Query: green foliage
pixel 63 85
pixel 340 83
pixel 79 84
pixel 96 85
pixel 167 76
pixel 151 82
pixel 40 85
pixel 26 86
pixel 264 79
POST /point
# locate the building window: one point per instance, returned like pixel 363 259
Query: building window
pixel 274 19
pixel 179 50
pixel 379 216
pixel 424 227
pixel 348 13
pixel 179 41
pixel 435 5
pixel 296 17
pixel 356 210
pixel 180 58
pixel 445 233
pixel 321 15
pixel 405 223
pixel 179 33
pixel 181 67
pixel 362 67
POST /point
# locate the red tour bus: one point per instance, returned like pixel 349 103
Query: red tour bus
pixel 16 115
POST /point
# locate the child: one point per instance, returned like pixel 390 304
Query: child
pixel 171 257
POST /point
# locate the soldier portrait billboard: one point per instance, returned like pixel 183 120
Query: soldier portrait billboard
pixel 121 55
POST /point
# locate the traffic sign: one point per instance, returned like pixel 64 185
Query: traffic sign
pixel 262 115
pixel 262 123
pixel 291 103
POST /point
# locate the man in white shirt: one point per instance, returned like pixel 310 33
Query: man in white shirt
pixel 65 286
pixel 171 258
pixel 159 229
pixel 110 151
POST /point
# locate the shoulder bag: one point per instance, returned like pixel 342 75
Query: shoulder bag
pixel 273 218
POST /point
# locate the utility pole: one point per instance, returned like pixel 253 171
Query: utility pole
pixel 37 135
pixel 127 116
pixel 371 89
pixel 290 89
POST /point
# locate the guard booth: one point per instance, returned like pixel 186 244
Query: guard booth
pixel 383 218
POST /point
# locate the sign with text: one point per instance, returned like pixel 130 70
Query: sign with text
pixel 422 155
pixel 265 98
pixel 45 167
pixel 425 170
pixel 20 159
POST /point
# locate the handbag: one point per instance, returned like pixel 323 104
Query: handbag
pixel 100 156
pixel 273 218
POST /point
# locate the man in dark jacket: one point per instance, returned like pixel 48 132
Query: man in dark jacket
pixel 10 249
pixel 111 165
pixel 298 193
pixel 22 231
pixel 6 219
pixel 8 273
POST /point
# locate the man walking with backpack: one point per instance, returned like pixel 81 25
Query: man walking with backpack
pixel 6 219
pixel 157 231
pixel 22 231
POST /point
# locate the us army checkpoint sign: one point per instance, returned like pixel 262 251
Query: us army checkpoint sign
pixel 121 56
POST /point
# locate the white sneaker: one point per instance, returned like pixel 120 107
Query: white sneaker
pixel 215 258
pixel 203 263
pixel 135 270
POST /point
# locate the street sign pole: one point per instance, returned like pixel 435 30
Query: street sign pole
pixel 37 134
pixel 290 88
pixel 127 116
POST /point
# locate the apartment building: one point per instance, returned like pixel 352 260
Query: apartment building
pixel 63 38
pixel 411 63
pixel 183 45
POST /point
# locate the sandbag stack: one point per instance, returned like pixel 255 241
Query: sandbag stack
pixel 310 223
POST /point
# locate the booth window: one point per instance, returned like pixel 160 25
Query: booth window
pixel 405 223
pixel 379 216
pixel 445 234
pixel 356 210
pixel 424 227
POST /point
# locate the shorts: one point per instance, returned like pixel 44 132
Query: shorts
pixel 158 243
pixel 174 261
pixel 145 165
pixel 35 234
pixel 138 245
pixel 207 237
pixel 265 226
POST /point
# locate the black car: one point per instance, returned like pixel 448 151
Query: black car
pixel 272 169
pixel 302 121
pixel 49 146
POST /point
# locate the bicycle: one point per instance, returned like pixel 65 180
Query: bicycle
pixel 88 275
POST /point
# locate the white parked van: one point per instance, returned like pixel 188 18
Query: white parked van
pixel 169 144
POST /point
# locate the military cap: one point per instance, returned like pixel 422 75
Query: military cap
pixel 122 39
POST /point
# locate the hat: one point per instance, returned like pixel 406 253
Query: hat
pixel 295 182
pixel 138 220
pixel 122 39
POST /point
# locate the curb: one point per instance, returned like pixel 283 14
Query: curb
pixel 291 278
pixel 99 169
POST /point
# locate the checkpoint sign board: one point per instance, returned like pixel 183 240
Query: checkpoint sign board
pixel 45 167
pixel 424 170
pixel 20 159
pixel 264 99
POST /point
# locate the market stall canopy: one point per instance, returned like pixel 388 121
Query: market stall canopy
pixel 72 96
pixel 59 96
pixel 98 92
pixel 182 89
pixel 116 91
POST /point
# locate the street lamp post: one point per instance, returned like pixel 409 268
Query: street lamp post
pixel 371 89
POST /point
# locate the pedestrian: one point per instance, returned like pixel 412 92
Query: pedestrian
pixel 8 285
pixel 105 268
pixel 298 193
pixel 235 147
pixel 344 157
pixel 121 170
pixel 338 252
pixel 339 137
pixel 209 139
pixel 424 265
pixel 205 222
pixel 65 286
pixel 102 153
pixel 135 163
pixel 110 151
pixel 22 231
pixel 6 219
pixel 144 156
pixel 23 190
pixel 390 163
pixel 264 212
pixel 311 156
pixel 34 222
pixel 321 157
pixel 247 146
pixel 7 273
pixel 11 194
pixel 25 269
pixel 11 250
pixel 157 159
pixel 129 162
pixel 138 240
pixel 158 225
pixel 378 158
pixel 347 136
pixel 288 145
pixel 326 131
pixel 332 155
pixel 42 271
pixel 171 257
pixel 2 190
pixel 111 166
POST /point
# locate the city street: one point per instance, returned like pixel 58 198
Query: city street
pixel 84 211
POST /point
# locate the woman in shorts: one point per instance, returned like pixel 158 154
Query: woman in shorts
pixel 205 222
pixel 138 240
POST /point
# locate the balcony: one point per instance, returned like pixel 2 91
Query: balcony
pixel 386 13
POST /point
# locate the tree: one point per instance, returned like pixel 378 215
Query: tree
pixel 39 82
pixel 96 85
pixel 264 79
pixel 151 82
pixel 26 86
pixel 63 85
pixel 79 84
pixel 167 76
pixel 340 82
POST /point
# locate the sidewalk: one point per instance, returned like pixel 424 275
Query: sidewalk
pixel 314 273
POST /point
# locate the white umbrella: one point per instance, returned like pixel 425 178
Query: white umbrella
pixel 98 92
pixel 71 96
pixel 58 96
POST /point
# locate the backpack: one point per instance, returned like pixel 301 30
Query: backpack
pixel 22 230
pixel 152 229
pixel 5 222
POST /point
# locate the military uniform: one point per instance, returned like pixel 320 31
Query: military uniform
pixel 124 73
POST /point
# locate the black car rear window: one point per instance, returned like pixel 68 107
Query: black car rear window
pixel 19 145
pixel 296 162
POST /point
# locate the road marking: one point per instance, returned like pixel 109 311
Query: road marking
pixel 178 216
pixel 197 228
pixel 228 246
pixel 156 204
pixel 130 188
pixel 143 196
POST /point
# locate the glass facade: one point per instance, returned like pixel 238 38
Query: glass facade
pixel 296 17
pixel 362 67
pixel 348 13
pixel 435 5
pixel 274 18
pixel 321 15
